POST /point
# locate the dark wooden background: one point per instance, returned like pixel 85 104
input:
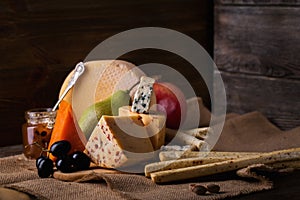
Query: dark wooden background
pixel 41 41
pixel 255 44
pixel 257 49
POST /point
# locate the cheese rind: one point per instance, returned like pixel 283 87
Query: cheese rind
pixel 119 141
pixel 100 80
pixel 154 122
pixel 142 96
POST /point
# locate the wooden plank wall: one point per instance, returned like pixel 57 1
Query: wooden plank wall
pixel 41 41
pixel 256 48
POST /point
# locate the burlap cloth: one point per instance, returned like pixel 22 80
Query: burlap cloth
pixel 19 173
pixel 247 132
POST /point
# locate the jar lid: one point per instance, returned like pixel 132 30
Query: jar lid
pixel 41 116
pixel 40 113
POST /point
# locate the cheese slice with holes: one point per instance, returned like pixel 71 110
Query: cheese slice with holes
pixel 154 122
pixel 119 141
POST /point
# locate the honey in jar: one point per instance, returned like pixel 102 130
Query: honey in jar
pixel 37 131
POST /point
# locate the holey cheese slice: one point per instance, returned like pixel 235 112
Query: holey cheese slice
pixel 119 142
pixel 154 122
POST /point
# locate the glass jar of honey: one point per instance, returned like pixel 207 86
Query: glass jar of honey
pixel 37 131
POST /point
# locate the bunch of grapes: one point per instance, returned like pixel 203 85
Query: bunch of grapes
pixel 65 163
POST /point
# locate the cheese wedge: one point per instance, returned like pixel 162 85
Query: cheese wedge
pixel 119 141
pixel 154 122
pixel 142 96
pixel 99 81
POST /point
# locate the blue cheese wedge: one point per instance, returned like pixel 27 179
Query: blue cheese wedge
pixel 142 96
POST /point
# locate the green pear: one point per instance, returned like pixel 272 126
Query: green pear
pixel 109 106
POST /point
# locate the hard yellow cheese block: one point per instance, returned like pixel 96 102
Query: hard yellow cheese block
pixel 154 122
pixel 119 141
pixel 100 80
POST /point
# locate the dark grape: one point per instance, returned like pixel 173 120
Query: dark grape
pixel 65 164
pixel 80 160
pixel 45 167
pixel 60 148
pixel 39 159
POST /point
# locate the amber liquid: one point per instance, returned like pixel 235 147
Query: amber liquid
pixel 35 139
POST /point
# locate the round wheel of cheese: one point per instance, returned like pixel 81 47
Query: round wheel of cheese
pixel 100 79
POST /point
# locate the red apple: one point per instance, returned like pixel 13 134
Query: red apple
pixel 171 100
